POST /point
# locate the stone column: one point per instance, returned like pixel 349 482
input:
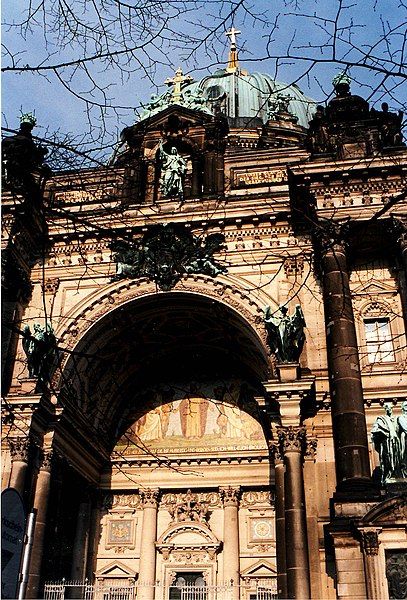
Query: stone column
pixel 348 416
pixel 81 543
pixel 398 229
pixel 292 441
pixel 376 582
pixel 311 494
pixel 280 520
pixel 231 550
pixel 19 450
pixel 146 581
pixel 41 505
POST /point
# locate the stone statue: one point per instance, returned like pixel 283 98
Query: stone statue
pixel 387 443
pixel 173 169
pixel 279 106
pixel 167 252
pixel 40 347
pixel 318 133
pixel 402 432
pixel 390 126
pixel 285 333
pixel 21 156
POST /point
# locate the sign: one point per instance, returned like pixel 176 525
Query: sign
pixel 12 541
pixel 259 177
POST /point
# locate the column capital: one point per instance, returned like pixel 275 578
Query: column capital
pixel 398 227
pixel 149 497
pixel 47 459
pixel 329 233
pixel 275 451
pixel 311 444
pixel 19 448
pixel 230 495
pixel 292 439
pixel 370 540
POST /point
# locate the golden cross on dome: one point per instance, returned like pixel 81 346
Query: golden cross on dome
pixel 177 82
pixel 232 33
pixel 233 63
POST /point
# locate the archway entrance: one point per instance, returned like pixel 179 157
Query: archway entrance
pixel 169 387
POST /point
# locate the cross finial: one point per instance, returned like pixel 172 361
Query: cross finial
pixel 232 33
pixel 233 64
pixel 177 82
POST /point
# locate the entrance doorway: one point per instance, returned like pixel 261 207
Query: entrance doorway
pixel 188 586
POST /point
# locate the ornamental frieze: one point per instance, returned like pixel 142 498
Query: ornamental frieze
pixel 254 498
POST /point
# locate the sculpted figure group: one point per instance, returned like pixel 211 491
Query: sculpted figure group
pixel 389 437
pixel 286 335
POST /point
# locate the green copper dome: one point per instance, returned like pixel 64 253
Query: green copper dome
pixel 240 95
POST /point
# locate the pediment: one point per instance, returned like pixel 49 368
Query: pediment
pixel 374 287
pixel 260 569
pixel 388 512
pixel 192 117
pixel 115 569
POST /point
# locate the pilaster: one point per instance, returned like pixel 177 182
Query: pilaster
pixel 231 550
pixel 149 497
pixel 376 588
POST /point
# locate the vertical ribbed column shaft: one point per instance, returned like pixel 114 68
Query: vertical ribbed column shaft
pixel 41 499
pixel 148 539
pixel 231 549
pixel 292 440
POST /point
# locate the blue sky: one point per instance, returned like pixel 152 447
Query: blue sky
pixel 300 27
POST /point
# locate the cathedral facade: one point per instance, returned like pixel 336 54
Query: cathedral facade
pixel 200 338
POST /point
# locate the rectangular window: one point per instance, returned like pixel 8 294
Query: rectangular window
pixel 378 341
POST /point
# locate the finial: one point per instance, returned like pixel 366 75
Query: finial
pixel 233 62
pixel 177 82
pixel 28 118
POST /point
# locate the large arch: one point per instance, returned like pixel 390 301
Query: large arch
pixel 132 336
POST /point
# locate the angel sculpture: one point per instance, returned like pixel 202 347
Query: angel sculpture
pixel 40 348
pixel 285 333
pixel 173 169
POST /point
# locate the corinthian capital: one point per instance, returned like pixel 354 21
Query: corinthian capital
pixel 275 451
pixel 370 540
pixel 20 448
pixel 230 495
pixel 292 439
pixel 149 497
pixel 329 233
pixel 47 459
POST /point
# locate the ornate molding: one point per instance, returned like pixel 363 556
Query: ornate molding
pixel 230 495
pixel 252 498
pixel 20 448
pixel 50 286
pixel 294 266
pixel 117 501
pixel 292 439
pixel 149 497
